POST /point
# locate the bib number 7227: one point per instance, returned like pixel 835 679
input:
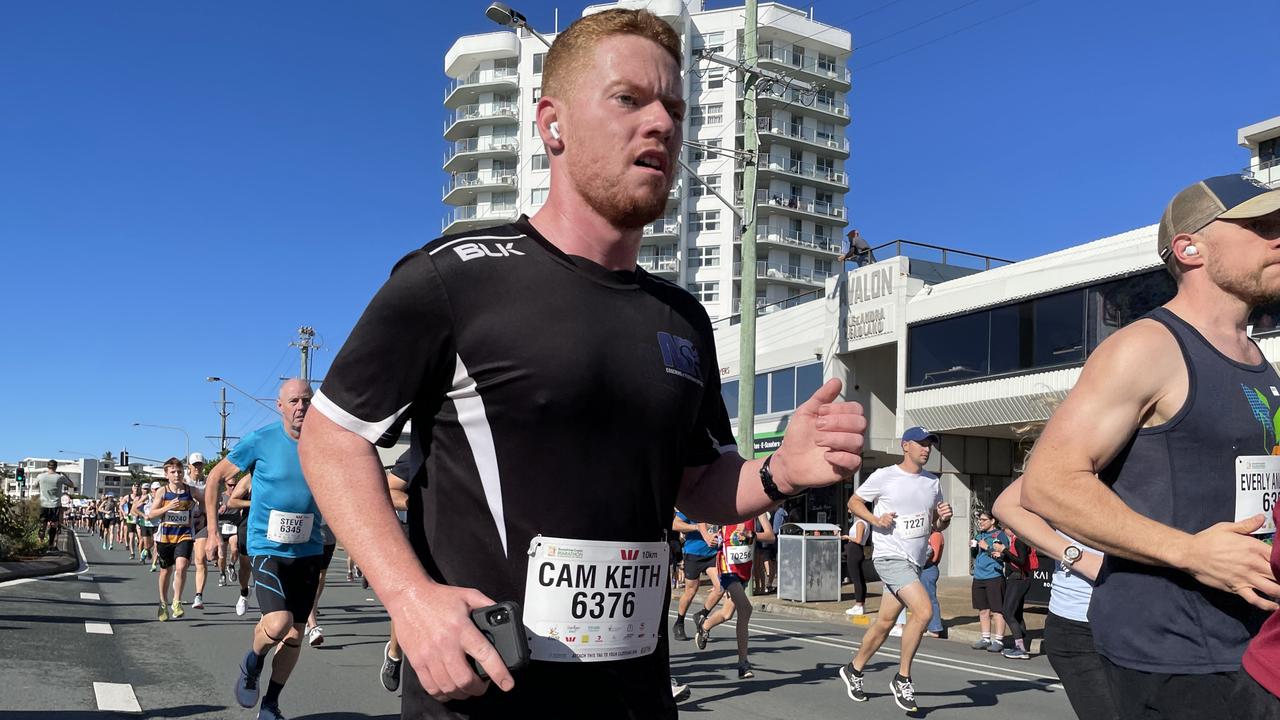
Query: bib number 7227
pixel 593 605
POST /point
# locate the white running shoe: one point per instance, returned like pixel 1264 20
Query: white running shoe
pixel 857 609
pixel 315 636
pixel 242 604
pixel 198 602
pixel 896 631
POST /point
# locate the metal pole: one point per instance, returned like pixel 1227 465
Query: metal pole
pixel 747 294
pixel 223 412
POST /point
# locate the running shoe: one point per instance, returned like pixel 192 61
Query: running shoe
pixel 163 613
pixel 315 636
pixel 857 609
pixel 744 671
pixel 852 683
pixel 153 567
pixel 269 712
pixel 701 638
pixel 1016 653
pixel 679 692
pixel 904 693
pixel 996 646
pixel 390 673
pixel 104 544
pixel 350 576
pixel 242 605
pixel 677 631
pixel 234 574
pixel 198 602
pixel 222 579
pixel 699 617
pixel 176 610
pixel 246 687
pixel 981 644
pixel 896 631
pixel 364 581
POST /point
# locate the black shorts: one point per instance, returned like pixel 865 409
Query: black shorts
pixel 168 553
pixel 1139 695
pixel 989 595
pixel 695 566
pixel 288 584
pixel 50 514
pixel 108 521
pixel 766 551
pixel 242 540
pixel 146 531
pixel 328 555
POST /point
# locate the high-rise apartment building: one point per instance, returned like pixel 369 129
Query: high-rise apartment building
pixel 497 166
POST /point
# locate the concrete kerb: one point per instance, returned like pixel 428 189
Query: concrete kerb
pixel 67 559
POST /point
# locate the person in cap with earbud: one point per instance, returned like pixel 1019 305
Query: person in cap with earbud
pixel 1163 457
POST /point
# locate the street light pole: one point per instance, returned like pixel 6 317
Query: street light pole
pixel 171 427
pixel 228 383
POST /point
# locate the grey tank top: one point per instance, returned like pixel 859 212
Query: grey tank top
pixel 1182 474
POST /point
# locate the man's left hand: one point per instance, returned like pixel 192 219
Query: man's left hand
pixel 944 511
pixel 823 443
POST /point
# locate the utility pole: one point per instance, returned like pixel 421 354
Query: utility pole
pixel 305 344
pixel 747 294
pixel 223 413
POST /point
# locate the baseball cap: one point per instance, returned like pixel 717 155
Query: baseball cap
pixel 155 485
pixel 917 434
pixel 1225 197
pixel 195 458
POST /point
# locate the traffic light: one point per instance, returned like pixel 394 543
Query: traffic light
pixel 21 475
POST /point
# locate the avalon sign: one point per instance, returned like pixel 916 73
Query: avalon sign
pixel 870 284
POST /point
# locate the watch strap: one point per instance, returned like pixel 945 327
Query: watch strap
pixel 770 487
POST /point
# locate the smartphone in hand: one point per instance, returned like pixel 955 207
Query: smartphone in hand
pixel 503 626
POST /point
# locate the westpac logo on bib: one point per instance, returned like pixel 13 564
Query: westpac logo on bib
pixel 680 357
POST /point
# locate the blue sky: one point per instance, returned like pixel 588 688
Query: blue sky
pixel 182 185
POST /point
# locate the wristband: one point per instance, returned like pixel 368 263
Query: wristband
pixel 770 487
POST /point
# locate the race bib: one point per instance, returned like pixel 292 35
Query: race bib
pixel 227 529
pixel 177 517
pixel 1258 489
pixel 915 526
pixel 594 601
pixel 289 528
pixel 738 554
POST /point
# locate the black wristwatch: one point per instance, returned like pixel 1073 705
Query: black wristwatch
pixel 770 487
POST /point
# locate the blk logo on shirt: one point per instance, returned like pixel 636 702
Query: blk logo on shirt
pixel 473 250
pixel 680 357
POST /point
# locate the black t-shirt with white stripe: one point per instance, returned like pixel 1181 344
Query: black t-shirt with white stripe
pixel 549 396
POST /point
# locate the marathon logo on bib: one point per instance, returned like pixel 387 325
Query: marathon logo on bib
pixel 289 528
pixel 594 601
pixel 1258 489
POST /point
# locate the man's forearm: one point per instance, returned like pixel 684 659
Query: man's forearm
pixel 858 507
pixel 726 491
pixel 350 487
pixel 1083 507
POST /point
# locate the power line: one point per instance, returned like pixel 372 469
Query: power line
pixel 909 28
pixel 944 37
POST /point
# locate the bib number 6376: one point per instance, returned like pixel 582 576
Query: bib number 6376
pixel 598 605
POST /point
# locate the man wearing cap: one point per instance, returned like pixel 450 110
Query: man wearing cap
pixel 908 507
pixel 196 479
pixel 1162 457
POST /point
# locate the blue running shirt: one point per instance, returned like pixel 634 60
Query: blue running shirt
pixel 281 502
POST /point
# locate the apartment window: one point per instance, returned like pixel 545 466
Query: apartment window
pixel 696 154
pixel 502 66
pixel 1268 151
pixel 540 162
pixel 706 292
pixel 697 189
pixel 706 220
pixel 711 42
pixel 537 95
pixel 538 196
pixel 713 79
pixel 533 129
pixel 709 114
pixel 822 268
pixel 825 97
pixel 826 63
pixel 537 62
pixel 826 132
pixel 704 257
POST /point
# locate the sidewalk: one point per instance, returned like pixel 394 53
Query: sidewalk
pixel 64 559
pixel 958 615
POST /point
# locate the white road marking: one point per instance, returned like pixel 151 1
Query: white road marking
pixel 90 596
pixel 97 628
pixel 116 697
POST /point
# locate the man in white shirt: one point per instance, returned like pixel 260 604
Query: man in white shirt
pixel 908 507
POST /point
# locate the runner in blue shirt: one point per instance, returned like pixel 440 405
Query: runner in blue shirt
pixel 284 543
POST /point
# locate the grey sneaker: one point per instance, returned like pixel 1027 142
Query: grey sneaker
pixel 270 712
pixel 852 683
pixel 1016 653
pixel 996 646
pixel 390 669
pixel 980 644
pixel 247 682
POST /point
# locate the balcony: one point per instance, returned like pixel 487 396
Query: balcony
pixel 793 100
pixel 668 226
pixel 764 307
pixel 788 169
pixel 464 153
pixel 464 187
pixel 806 137
pixel 469 89
pixel 659 265
pixel 1266 172
pixel 470 217
pixel 468 118
pixel 808 66
pixel 796 240
pixel 790 274
pixel 798 207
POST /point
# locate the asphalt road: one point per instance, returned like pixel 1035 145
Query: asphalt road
pixel 55 665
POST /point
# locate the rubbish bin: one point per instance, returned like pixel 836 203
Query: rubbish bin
pixel 809 562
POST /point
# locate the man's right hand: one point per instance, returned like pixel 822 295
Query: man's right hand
pixel 1225 556
pixel 885 521
pixel 437 637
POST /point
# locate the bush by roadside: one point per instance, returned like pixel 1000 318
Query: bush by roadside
pixel 19 528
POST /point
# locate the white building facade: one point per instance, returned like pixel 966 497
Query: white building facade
pixel 1262 140
pixel 497 167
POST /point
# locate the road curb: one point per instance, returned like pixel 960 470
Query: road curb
pixel 67 560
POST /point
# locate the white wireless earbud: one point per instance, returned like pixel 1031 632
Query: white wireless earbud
pixel 1191 250
pixel 555 130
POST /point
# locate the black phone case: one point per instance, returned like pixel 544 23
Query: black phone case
pixel 507 637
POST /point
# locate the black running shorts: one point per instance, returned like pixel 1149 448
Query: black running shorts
pixel 989 595
pixel 168 553
pixel 288 584
pixel 696 565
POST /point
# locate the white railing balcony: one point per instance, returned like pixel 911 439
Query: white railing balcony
pixel 793 131
pixel 803 169
pixel 1266 172
pixel 766 270
pixel 484 77
pixel 477 111
pixel 815 207
pixel 478 214
pixel 804 240
pixel 462 180
pixel 764 307
pixel 661 263
pixel 811 65
pixel 483 144
pixel 664 226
